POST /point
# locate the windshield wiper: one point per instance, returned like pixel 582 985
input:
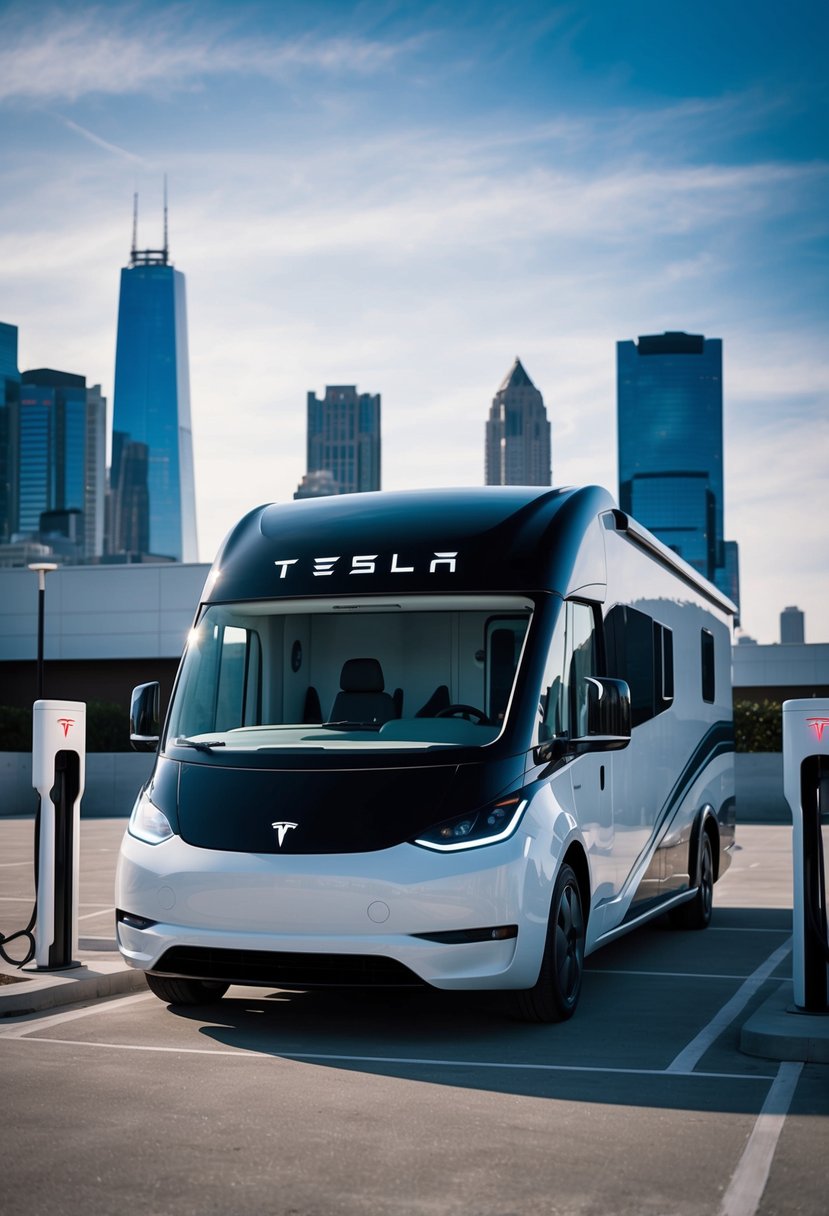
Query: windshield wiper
pixel 201 745
pixel 346 725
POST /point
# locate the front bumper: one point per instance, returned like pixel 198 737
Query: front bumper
pixel 294 921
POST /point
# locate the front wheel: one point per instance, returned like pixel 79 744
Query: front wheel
pixel 555 994
pixel 185 992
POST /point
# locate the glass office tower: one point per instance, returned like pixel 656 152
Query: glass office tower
pixel 670 446
pixel 151 411
pixel 9 396
pixel 59 456
pixel 344 438
pixel 517 434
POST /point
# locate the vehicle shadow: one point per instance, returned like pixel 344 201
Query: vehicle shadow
pixel 644 999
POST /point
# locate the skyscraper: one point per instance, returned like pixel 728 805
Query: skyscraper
pixel 152 408
pixel 344 437
pixel 59 427
pixel 9 396
pixel 792 626
pixel 670 437
pixel 518 434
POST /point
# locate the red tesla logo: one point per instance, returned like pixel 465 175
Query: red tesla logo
pixel 818 725
pixel 66 723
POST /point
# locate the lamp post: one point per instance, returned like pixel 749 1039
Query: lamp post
pixel 41 569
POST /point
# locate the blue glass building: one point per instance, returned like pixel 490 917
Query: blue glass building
pixel 9 395
pixel 151 414
pixel 670 447
pixel 57 455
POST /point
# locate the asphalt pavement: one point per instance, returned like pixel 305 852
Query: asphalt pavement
pixel 654 1099
pixel 759 878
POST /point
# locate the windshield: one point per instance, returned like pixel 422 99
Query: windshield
pixel 422 672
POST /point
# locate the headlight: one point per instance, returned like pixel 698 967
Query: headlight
pixel 147 822
pixel 487 826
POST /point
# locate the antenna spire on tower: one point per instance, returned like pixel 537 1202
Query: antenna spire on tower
pixel 134 228
pixel 149 257
pixel 166 240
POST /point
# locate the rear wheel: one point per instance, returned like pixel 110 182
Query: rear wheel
pixel 696 914
pixel 185 992
pixel 555 994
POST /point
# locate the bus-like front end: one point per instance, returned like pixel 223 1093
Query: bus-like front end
pixel 339 799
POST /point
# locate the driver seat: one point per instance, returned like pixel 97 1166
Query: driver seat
pixel 362 696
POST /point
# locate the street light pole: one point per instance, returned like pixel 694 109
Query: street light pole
pixel 41 569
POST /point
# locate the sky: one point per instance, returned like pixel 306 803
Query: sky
pixel 406 196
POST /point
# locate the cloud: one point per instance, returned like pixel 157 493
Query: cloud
pixel 65 55
pixel 99 142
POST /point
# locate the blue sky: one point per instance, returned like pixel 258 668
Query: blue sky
pixel 405 196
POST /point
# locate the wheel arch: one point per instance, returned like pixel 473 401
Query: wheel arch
pixel 576 858
pixel 704 823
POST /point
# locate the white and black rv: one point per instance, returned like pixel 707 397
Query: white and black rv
pixel 460 738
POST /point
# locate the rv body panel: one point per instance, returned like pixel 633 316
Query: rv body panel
pixel 415 807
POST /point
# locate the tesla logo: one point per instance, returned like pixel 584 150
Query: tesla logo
pixel 818 725
pixel 66 723
pixel 281 830
pixel 371 563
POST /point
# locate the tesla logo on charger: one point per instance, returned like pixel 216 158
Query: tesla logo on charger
pixel 282 828
pixel 368 563
pixel 818 725
pixel 67 724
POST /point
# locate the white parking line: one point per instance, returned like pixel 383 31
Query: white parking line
pixel 744 929
pixel 751 1175
pixel 673 975
pixel 243 1052
pixel 34 1022
pixel 100 912
pixel 696 1049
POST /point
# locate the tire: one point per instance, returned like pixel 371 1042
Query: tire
pixel 185 992
pixel 555 994
pixel 696 914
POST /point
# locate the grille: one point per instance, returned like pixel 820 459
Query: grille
pixel 286 969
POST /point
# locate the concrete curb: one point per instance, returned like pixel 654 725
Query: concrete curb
pixel 96 977
pixel 777 1031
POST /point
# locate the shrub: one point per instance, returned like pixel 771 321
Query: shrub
pixel 15 729
pixel 758 726
pixel 107 728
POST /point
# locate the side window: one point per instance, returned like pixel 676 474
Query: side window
pixel 504 639
pixel 583 663
pixel 663 658
pixel 573 655
pixel 707 659
pixel 641 652
pixel 240 663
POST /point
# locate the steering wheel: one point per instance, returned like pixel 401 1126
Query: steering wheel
pixel 468 712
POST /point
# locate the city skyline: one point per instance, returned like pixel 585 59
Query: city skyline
pixel 426 190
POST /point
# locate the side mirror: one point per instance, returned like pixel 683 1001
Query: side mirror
pixel 608 716
pixel 145 726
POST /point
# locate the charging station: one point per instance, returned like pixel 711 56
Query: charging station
pixel 806 786
pixel 58 775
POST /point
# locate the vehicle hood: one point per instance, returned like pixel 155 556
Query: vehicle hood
pixel 350 810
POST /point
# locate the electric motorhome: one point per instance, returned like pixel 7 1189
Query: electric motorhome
pixel 460 738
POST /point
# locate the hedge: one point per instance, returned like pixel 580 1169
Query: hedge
pixel 107 728
pixel 758 726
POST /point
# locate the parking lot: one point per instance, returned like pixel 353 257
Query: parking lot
pixel 423 1102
